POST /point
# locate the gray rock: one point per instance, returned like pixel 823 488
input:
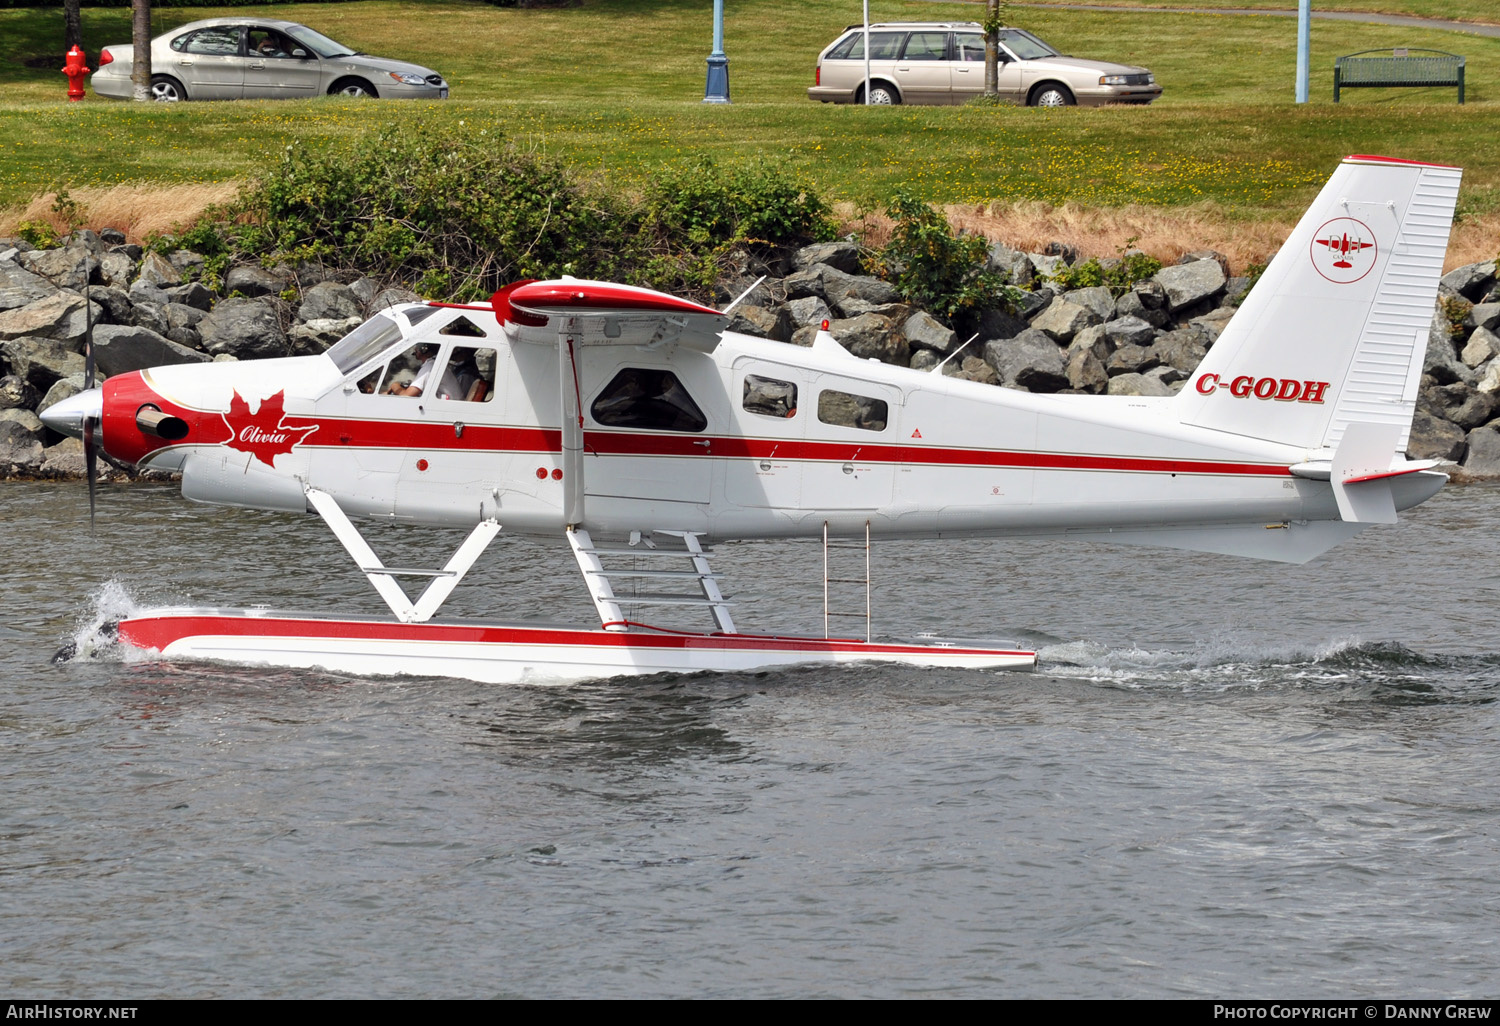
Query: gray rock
pixel 152 316
pixel 925 331
pixel 808 310
pixel 312 337
pixel 1139 384
pixel 119 349
pixel 841 255
pixel 1098 299
pixel 1183 349
pixel 838 286
pixel 1186 284
pixel 1433 438
pixel 68 267
pixel 59 316
pixel 1032 303
pixel 1167 375
pixel 999 324
pixel 64 460
pixel 1213 323
pixel 182 324
pixel 972 368
pixel 804 336
pixel 187 263
pixel 111 236
pixel 1471 281
pixel 1441 360
pixel 245 329
pixel 871 336
pixel 762 322
pixel 40 361
pixel 158 270
pixel 145 292
pixel 364 290
pixel 853 306
pixel 1046 264
pixel 251 280
pixel 1235 289
pixel 1483 315
pixel 329 301
pixel 924 359
pixel 1464 404
pixel 19 287
pixel 1086 372
pixel 20 454
pixel 1063 319
pixel 1482 458
pixel 392 297
pixel 62 388
pixel 25 420
pixel 1031 360
pixel 16 394
pixel 1483 346
pixel 1128 331
pixel 1207 254
pixel 1016 265
pixel 1094 339
pixel 114 303
pixel 191 294
pixel 1131 360
pixel 1133 304
pixel 1489 377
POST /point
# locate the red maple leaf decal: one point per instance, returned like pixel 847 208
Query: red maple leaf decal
pixel 262 433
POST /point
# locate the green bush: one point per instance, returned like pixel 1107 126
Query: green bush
pixel 934 268
pixel 455 217
pixel 1118 278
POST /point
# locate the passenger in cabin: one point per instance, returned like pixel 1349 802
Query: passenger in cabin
pixel 448 385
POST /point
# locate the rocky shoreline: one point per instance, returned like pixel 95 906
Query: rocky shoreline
pixel 149 308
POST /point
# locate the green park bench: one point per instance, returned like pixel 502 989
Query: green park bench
pixel 1400 67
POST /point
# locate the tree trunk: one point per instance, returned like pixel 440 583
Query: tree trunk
pixel 72 25
pixel 992 49
pixel 140 33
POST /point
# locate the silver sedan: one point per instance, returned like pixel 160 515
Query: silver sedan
pixel 258 58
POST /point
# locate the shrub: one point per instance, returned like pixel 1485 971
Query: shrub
pixel 1118 278
pixel 937 269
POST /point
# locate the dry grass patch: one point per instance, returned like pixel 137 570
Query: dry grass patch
pixel 140 211
pixel 1164 233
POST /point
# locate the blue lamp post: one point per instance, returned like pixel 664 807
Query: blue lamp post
pixel 1304 36
pixel 717 90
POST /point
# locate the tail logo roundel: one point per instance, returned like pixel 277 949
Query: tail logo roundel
pixel 1343 250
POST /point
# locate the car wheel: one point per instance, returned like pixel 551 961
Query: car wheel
pixel 882 95
pixel 165 89
pixel 1050 94
pixel 353 87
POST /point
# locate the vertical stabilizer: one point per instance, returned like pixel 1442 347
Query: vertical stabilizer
pixel 1335 331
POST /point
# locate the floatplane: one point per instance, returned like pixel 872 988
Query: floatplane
pixel 633 426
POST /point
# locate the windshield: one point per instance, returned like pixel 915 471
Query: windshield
pixel 319 43
pixel 366 341
pixel 1025 45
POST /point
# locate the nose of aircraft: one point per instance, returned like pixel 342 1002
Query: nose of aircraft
pixel 68 416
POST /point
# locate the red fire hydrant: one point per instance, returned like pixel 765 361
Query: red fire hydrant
pixel 75 70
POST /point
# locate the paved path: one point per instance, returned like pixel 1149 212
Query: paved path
pixel 1403 20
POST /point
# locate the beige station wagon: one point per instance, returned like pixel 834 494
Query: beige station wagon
pixel 943 63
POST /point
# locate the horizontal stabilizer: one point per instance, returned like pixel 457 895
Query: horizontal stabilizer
pixel 1361 473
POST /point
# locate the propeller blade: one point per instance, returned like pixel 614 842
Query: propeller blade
pixel 90 463
pixel 88 338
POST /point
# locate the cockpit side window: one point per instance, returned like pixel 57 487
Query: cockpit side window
pixel 654 399
pixel 364 342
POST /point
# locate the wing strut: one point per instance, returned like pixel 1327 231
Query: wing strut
pixel 383 577
pixel 572 421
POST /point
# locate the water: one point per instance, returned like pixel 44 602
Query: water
pixel 1228 779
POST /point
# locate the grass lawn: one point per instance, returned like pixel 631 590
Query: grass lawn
pixel 1452 10
pixel 616 86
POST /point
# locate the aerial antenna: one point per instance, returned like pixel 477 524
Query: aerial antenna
pixel 955 352
pixel 740 298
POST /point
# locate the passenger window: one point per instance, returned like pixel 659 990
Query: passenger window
pixel 925 46
pixel 474 371
pixel 652 399
pixel 883 46
pixel 408 374
pixel 770 397
pixel 841 52
pixel 261 42
pixel 215 42
pixel 969 47
pixel 857 411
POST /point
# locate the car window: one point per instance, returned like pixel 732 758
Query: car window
pixel 968 46
pixel 319 43
pixel 925 46
pixel 264 42
pixel 883 46
pixel 1025 45
pixel 841 51
pixel 216 42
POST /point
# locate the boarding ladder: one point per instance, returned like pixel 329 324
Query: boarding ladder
pixel 836 546
pixel 652 563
